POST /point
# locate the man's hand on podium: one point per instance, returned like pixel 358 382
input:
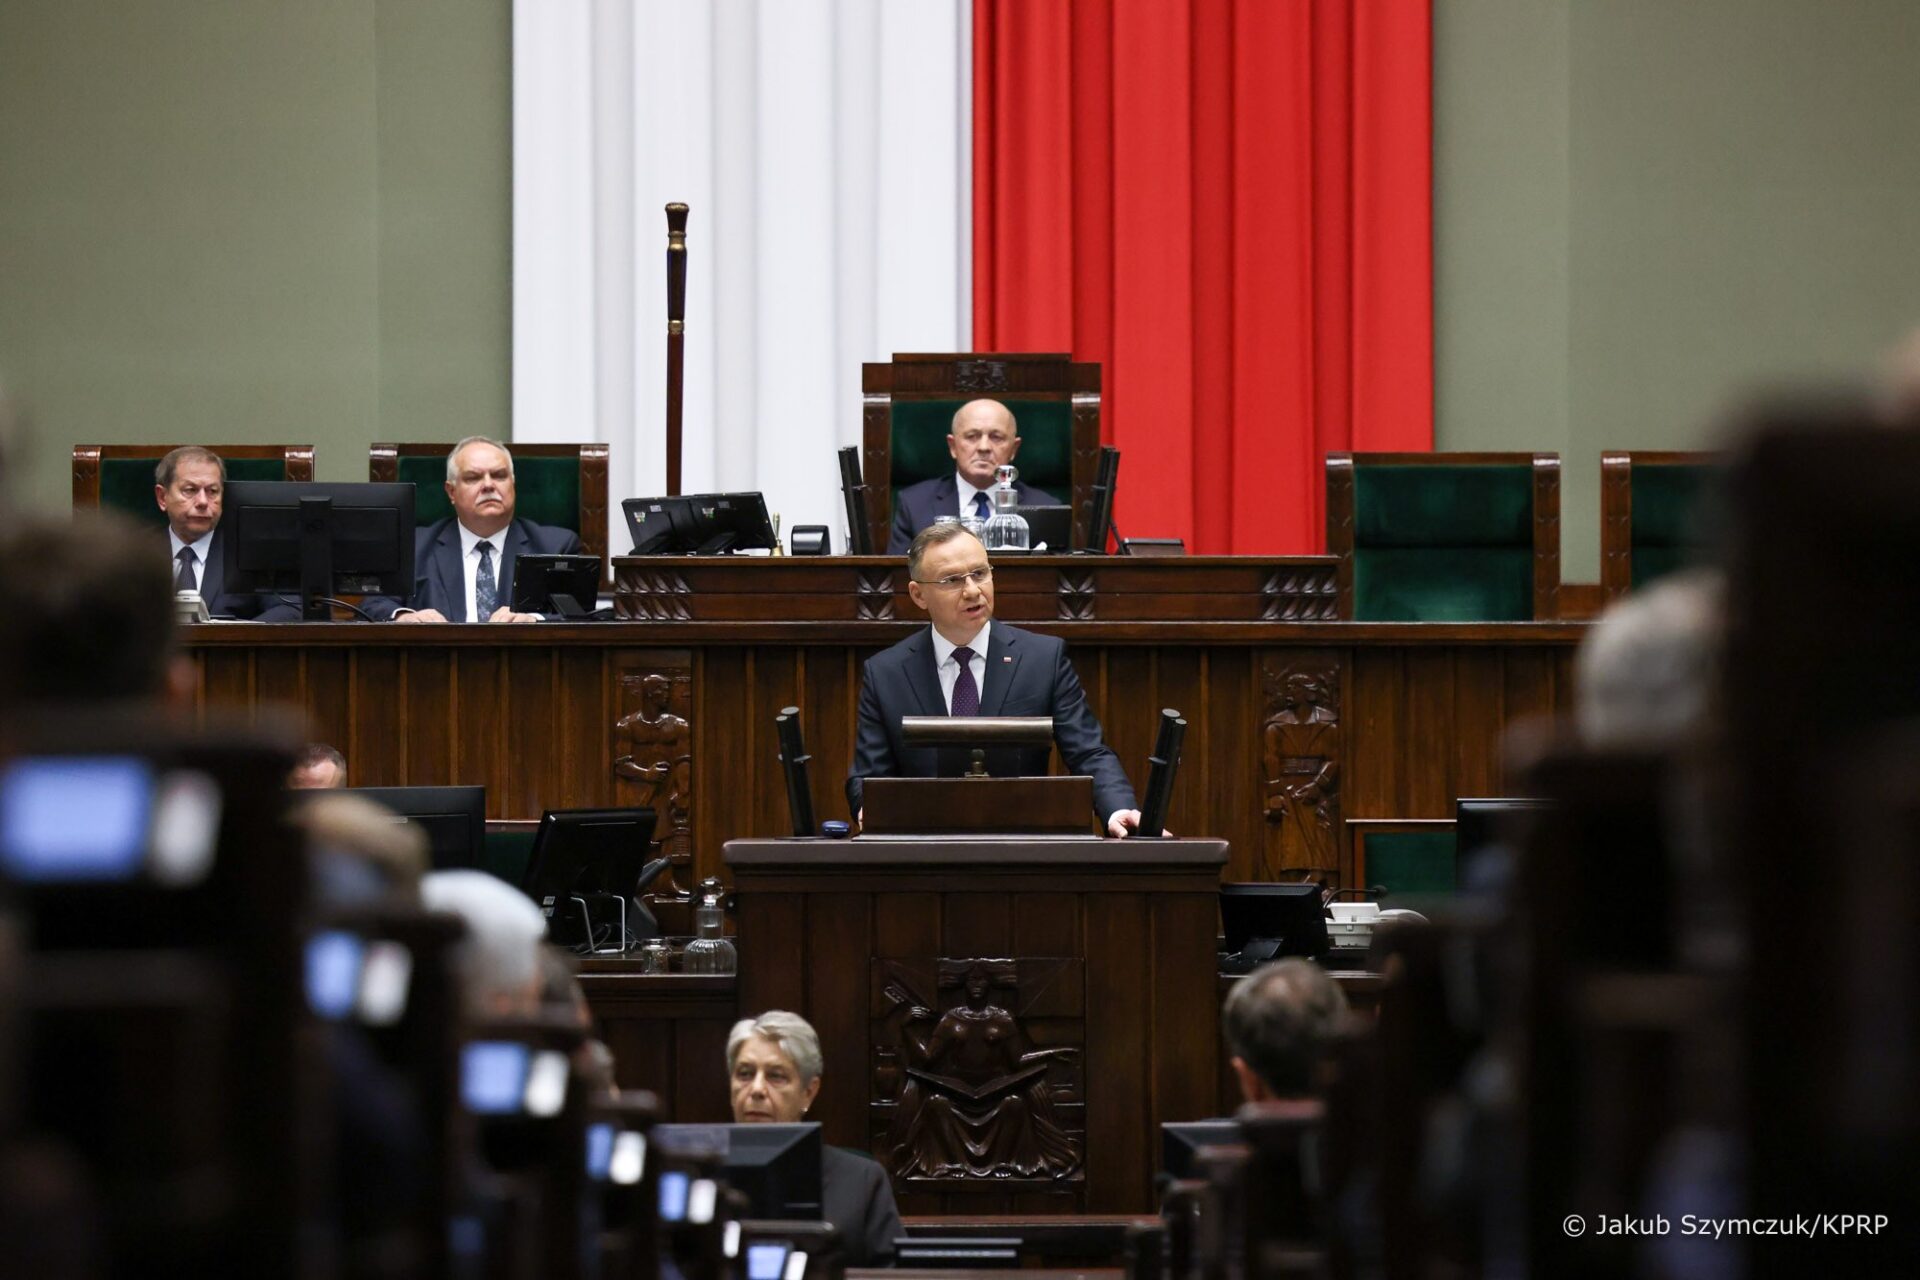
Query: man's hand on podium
pixel 1125 822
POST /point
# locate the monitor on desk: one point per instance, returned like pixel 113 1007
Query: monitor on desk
pixel 1289 915
pixel 561 584
pixel 583 855
pixel 776 1166
pixel 700 524
pixel 453 819
pixel 318 540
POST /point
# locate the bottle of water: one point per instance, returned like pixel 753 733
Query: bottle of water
pixel 710 951
pixel 1007 530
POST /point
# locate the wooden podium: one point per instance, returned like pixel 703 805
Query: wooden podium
pixel 1006 1021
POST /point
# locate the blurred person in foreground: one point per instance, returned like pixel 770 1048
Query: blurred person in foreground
pixel 774 1066
pixel 498 962
pixel 1280 1022
pixel 318 767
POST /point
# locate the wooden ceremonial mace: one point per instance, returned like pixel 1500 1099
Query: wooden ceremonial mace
pixel 676 336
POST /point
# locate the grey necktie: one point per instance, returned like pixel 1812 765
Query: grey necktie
pixel 485 594
pixel 184 580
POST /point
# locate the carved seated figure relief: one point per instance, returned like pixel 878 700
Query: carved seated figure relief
pixel 974 1100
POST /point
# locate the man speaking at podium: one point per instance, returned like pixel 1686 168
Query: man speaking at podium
pixel 967 664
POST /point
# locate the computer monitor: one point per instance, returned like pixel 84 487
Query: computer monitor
pixel 1289 914
pixel 566 585
pixel 453 819
pixel 1051 526
pixel 1487 832
pixel 318 540
pixel 659 526
pixel 776 1166
pixel 1180 1141
pixel 585 854
pixel 724 522
pixel 1100 514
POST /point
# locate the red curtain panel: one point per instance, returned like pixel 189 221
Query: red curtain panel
pixel 1228 204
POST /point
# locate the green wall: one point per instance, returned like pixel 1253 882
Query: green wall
pixel 1643 207
pixel 254 220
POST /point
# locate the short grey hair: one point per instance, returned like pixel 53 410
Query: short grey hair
pixel 499 959
pixel 453 470
pixel 1644 676
pixel 790 1033
pixel 1281 1019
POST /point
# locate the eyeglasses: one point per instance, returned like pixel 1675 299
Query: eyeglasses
pixel 954 581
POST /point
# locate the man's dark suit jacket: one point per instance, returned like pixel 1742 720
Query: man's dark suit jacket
pixel 1027 675
pixel 856 1197
pixel 921 504
pixel 438 579
pixel 222 603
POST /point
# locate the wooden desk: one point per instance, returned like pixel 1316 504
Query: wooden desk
pixel 1293 725
pixel 929 966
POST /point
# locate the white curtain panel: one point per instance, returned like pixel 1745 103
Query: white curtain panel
pixel 824 147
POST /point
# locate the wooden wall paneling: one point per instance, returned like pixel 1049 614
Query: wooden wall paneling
pixel 1375 733
pixel 227 681
pixel 1228 746
pixel 1186 1087
pixel 330 705
pixel 1132 709
pixel 375 743
pixel 1538 684
pixel 700 1091
pixel 435 716
pixel 719 751
pixel 779 925
pixel 529 769
pixel 1430 735
pixel 279 679
pixel 1045 924
pixel 977 925
pixel 837 982
pixel 906 924
pixel 1119 961
pixel 1479 717
pixel 644 1055
pixel 581 769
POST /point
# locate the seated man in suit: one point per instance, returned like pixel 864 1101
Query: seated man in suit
pixel 967 664
pixel 189 485
pixel 984 438
pixel 463 565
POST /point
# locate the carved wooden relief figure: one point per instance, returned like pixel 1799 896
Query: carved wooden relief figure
pixel 1301 749
pixel 658 757
pixel 973 1097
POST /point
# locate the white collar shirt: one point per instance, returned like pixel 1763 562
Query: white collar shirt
pixel 202 548
pixel 948 668
pixel 966 492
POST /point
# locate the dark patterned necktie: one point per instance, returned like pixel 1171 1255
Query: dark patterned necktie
pixel 485 594
pixel 966 694
pixel 982 511
pixel 184 580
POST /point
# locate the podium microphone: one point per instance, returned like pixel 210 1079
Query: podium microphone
pixel 1164 762
pixel 793 762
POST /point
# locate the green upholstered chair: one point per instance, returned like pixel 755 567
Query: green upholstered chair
pixel 507 849
pixel 1649 508
pixel 119 477
pixel 1445 537
pixel 1406 857
pixel 909 407
pixel 557 484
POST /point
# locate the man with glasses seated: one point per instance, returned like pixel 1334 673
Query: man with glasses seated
pixel 967 664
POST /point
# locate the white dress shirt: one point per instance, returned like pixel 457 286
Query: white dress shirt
pixel 201 547
pixel 470 566
pixel 965 491
pixel 948 667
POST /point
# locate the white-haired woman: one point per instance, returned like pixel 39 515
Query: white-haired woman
pixel 773 1064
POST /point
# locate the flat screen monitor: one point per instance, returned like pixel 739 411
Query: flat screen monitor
pixel 1100 513
pixel 776 1166
pixel 453 819
pixel 1290 914
pixel 1049 528
pixel 565 585
pixel 1179 1142
pixel 700 524
pixel 318 540
pixel 582 852
pixel 660 526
